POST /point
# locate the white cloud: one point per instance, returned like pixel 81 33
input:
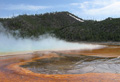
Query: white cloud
pixel 9 16
pixel 25 7
pixel 98 7
pixel 106 10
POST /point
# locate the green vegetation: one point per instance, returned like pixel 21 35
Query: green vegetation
pixel 106 30
pixel 64 27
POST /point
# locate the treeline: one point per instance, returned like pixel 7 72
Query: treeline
pixel 106 30
pixel 64 27
pixel 38 24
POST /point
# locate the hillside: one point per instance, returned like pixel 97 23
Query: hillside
pixel 64 25
pixel 106 30
pixel 35 25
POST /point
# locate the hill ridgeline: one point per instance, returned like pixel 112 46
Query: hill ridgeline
pixel 63 25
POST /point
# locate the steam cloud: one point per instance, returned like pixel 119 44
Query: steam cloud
pixel 8 43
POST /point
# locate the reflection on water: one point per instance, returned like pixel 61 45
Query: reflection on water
pixel 69 64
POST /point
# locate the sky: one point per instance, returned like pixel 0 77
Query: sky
pixel 86 9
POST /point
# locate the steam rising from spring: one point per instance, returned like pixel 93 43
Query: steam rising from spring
pixel 8 43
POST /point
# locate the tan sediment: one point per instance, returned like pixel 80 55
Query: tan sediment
pixel 15 53
pixel 111 51
pixel 10 71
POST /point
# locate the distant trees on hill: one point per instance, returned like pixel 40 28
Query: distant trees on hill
pixel 64 27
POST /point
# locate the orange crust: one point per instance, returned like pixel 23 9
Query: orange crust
pixel 10 70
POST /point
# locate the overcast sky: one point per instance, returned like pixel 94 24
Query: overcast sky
pixel 86 9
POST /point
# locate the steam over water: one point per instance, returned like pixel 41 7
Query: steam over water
pixel 10 44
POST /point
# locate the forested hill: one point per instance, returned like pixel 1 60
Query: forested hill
pixel 64 25
pixel 35 25
pixel 106 30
